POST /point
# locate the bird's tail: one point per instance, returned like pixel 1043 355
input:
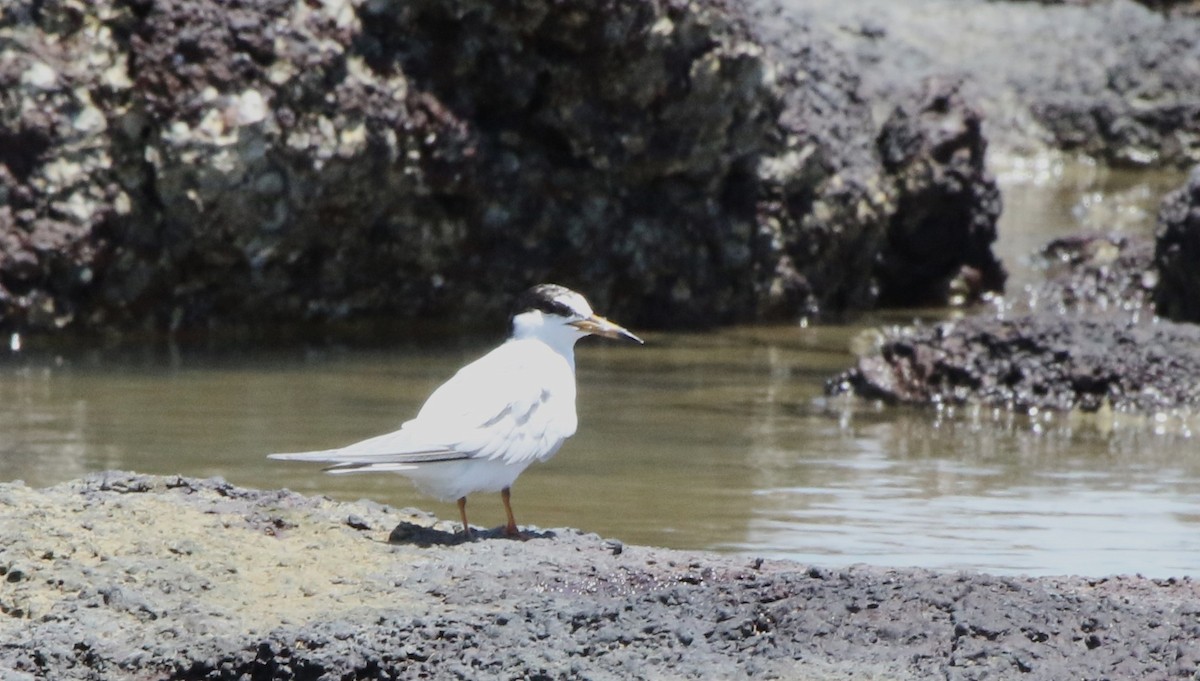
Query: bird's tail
pixel 344 469
pixel 324 455
pixel 340 463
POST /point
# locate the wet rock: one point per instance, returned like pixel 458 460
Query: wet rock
pixel 1169 6
pixel 940 236
pixel 284 179
pixel 1085 338
pixel 1090 273
pixel 1177 252
pixel 616 147
pixel 1038 361
pixel 1142 109
pixel 326 600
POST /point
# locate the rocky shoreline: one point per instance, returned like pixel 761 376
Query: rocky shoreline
pixel 124 576
pixel 1111 327
pixel 1034 362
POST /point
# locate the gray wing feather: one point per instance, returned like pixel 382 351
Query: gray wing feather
pixel 493 408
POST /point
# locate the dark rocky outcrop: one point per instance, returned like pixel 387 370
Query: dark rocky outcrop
pixel 820 209
pixel 939 238
pixel 1182 7
pixel 191 163
pixel 1177 252
pixel 1043 361
pixel 133 577
pixel 1112 79
pixel 1142 107
pixel 1087 336
pixel 1110 275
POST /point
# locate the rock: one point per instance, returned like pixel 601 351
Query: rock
pixel 58 188
pixel 940 236
pixel 820 198
pixel 1114 79
pixel 1170 6
pixel 322 599
pixel 357 522
pixel 1096 274
pixel 1142 108
pixel 187 165
pixel 1084 338
pixel 1177 252
pixel 1038 361
pixel 192 165
pixel 615 147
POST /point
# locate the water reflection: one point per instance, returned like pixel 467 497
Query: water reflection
pixel 992 494
pixel 1053 198
pixel 35 437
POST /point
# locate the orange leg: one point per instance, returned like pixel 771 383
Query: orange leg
pixel 462 511
pixel 511 528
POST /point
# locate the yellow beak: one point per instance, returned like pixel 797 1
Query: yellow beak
pixel 602 327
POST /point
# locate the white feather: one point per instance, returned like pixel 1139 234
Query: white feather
pixel 515 405
pixel 496 416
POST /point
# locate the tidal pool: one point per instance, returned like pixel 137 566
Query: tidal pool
pixel 717 441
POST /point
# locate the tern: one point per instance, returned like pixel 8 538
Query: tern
pixel 496 416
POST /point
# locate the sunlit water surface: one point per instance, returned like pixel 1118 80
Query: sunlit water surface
pixel 717 441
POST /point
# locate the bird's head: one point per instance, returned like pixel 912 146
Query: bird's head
pixel 552 311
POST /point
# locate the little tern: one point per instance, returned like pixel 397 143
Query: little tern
pixel 496 416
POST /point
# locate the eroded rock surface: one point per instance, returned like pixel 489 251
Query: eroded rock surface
pixel 1177 253
pixel 1113 79
pixel 939 238
pixel 1043 361
pixel 1089 274
pixel 121 576
pixel 1108 327
pixel 192 164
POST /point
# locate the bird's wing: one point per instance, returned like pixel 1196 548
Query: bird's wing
pixel 512 405
pixel 516 404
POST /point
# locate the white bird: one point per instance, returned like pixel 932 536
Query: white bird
pixel 496 416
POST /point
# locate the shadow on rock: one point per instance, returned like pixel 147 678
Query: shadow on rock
pixel 407 533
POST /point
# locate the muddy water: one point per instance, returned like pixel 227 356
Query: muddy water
pixel 719 441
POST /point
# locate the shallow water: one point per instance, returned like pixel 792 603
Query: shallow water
pixel 720 441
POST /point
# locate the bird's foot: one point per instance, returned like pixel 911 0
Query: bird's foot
pixel 514 532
